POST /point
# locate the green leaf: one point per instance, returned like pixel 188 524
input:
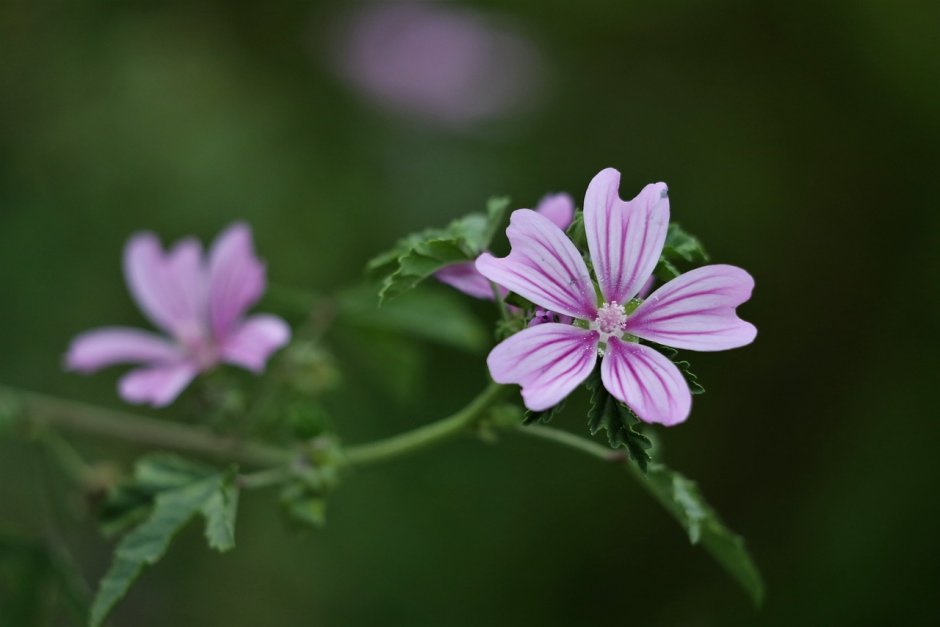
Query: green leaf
pixel 439 315
pixel 164 471
pixel 496 208
pixel 544 417
pixel 685 246
pixel 147 543
pixel 129 502
pixel 220 511
pixel 682 498
pixel 681 248
pixel 576 230
pixel 607 413
pixel 418 256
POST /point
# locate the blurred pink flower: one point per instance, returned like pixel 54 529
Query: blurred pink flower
pixel 199 302
pixel 437 62
pixel 694 311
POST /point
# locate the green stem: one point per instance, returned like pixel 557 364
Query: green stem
pixel 47 411
pixel 583 445
pixel 427 435
pixel 500 303
pixel 52 412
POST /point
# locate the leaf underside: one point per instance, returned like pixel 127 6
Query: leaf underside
pixel 178 491
pixel 418 256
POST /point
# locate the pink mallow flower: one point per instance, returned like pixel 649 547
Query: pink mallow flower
pixel 199 302
pixel 694 311
pixel 464 276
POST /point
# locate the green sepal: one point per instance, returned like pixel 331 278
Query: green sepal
pixel 606 412
pixel 304 507
pixel 418 256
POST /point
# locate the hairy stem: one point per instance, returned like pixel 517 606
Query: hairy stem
pixel 581 444
pixel 427 435
pixel 70 415
pixel 47 411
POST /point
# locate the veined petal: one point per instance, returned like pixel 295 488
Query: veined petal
pixel 157 385
pixel 625 238
pixel 696 310
pixel 559 208
pixel 543 267
pixel 236 278
pixel 646 381
pixel 465 277
pixel 254 340
pixel 187 274
pixel 548 361
pixel 109 346
pixel 165 287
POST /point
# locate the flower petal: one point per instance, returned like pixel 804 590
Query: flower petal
pixel 465 277
pixel 697 310
pixel 559 208
pixel 165 286
pixel 252 343
pixel 186 274
pixel 625 238
pixel 646 381
pixel 236 278
pixel 543 267
pixel 100 348
pixel 157 385
pixel 548 361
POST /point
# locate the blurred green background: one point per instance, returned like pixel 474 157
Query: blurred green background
pixel 799 140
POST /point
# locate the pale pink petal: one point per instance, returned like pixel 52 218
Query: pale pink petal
pixel 559 208
pixel 236 278
pixel 548 361
pixel 696 311
pixel 254 340
pixel 187 274
pixel 161 286
pixel 109 346
pixel 647 287
pixel 465 277
pixel 543 267
pixel 625 238
pixel 156 385
pixel 646 381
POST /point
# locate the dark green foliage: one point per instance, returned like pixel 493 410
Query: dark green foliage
pixel 544 417
pixel 682 498
pixel 681 250
pixel 418 256
pixel 165 494
pixel 606 412
pixel 576 230
pixel 441 316
pixel 35 580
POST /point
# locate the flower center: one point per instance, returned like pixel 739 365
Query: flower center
pixel 611 319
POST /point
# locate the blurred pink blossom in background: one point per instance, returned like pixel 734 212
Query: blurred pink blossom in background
pixel 437 63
